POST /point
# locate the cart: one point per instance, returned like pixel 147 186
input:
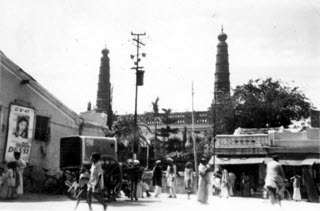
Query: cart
pixel 75 152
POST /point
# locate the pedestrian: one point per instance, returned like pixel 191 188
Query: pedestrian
pixel 9 181
pixel 245 184
pixel 144 185
pixel 232 181
pixel 188 178
pixel 157 178
pixel 204 181
pixel 96 181
pixel 274 181
pixel 217 181
pixel 171 178
pixel 21 165
pixel 225 184
pixel 137 172
pixel 296 179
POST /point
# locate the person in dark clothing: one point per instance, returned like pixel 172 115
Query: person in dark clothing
pixel 136 176
pixel 157 178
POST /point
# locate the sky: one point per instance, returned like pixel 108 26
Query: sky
pixel 59 44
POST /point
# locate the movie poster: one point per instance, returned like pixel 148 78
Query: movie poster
pixel 20 132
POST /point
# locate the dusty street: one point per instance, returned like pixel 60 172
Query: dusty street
pixel 61 203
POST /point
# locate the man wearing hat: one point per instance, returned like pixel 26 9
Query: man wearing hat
pixel 136 176
pixel 21 164
pixel 171 178
pixel 157 178
pixel 274 180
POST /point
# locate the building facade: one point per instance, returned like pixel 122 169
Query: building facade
pixel 41 118
pixel 299 152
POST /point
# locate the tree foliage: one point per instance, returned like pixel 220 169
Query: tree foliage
pixel 124 129
pixel 258 104
pixel 263 103
pixel 223 114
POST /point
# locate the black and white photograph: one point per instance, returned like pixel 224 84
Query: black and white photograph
pixel 155 105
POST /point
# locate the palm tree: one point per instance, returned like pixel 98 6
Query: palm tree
pixel 155 117
pixel 167 120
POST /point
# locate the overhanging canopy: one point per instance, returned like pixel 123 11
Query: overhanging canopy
pixel 285 162
pixel 310 161
pixel 235 161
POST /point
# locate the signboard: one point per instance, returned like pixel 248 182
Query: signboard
pixel 20 132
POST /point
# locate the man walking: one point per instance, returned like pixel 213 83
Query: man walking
pixel 171 178
pixel 157 178
pixel 274 181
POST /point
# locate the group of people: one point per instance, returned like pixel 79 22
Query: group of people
pixel 11 178
pixel 223 183
pixel 171 175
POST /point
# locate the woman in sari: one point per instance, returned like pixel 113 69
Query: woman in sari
pixel 204 181
pixel 225 184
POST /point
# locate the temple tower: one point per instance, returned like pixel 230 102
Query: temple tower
pixel 104 86
pixel 222 75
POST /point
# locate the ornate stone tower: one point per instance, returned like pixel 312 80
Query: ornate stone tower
pixel 222 81
pixel 104 86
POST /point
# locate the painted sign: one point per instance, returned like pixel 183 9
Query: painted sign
pixel 20 132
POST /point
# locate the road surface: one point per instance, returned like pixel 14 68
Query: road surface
pixel 38 202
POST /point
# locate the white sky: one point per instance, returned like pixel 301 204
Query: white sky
pixel 59 43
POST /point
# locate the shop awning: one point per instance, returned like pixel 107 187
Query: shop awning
pixel 288 162
pixel 310 161
pixel 235 161
pixel 292 162
pixel 285 162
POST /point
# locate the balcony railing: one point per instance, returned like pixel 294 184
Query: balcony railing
pixel 242 141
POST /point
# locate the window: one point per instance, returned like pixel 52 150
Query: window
pixel 42 132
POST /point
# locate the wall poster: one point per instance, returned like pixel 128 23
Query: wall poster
pixel 20 132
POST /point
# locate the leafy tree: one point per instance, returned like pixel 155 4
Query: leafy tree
pixel 262 103
pixel 223 115
pixel 124 129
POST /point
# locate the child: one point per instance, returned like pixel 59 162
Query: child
pixel 188 178
pixel 83 183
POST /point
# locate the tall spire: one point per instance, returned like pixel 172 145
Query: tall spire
pixel 222 75
pixel 103 94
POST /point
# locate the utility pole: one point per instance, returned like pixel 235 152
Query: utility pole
pixel 214 131
pixel 194 141
pixel 139 82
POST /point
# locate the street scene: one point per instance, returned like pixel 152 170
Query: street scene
pixel 172 104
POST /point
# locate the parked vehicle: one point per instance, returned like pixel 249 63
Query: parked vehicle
pixel 75 151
